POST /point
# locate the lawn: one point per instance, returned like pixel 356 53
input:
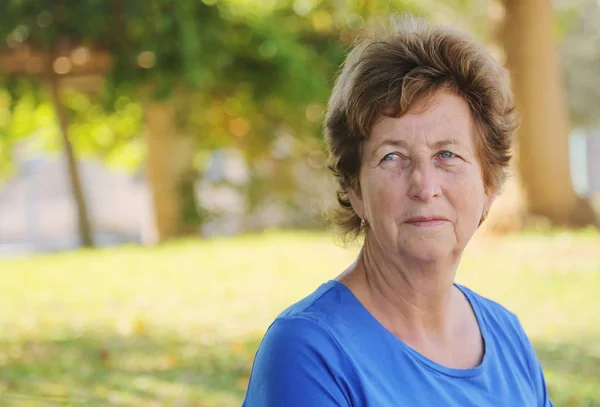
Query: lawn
pixel 178 325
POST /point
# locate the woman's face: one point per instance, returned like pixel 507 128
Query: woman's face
pixel 421 186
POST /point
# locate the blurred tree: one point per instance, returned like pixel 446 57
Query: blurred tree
pixel 530 45
pixel 160 53
pixel 47 64
pixel 40 46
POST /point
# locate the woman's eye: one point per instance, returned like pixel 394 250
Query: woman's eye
pixel 390 157
pixel 446 154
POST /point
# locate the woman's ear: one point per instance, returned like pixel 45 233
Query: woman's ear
pixel 490 197
pixel 356 201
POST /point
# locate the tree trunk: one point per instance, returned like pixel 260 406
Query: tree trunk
pixel 170 172
pixel 83 220
pixel 530 46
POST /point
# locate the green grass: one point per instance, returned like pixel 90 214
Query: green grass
pixel 178 325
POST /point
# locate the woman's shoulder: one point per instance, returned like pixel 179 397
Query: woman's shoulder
pixel 298 334
pixel 315 322
pixel 299 360
pixel 303 336
pixel 320 306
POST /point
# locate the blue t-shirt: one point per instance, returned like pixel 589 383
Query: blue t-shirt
pixel 328 350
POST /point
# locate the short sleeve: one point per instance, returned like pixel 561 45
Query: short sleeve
pixel 539 382
pixel 299 364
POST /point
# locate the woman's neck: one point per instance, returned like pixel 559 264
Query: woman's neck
pixel 408 297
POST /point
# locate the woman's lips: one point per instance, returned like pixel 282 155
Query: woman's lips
pixel 422 221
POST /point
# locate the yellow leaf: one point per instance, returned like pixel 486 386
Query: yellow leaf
pixel 140 327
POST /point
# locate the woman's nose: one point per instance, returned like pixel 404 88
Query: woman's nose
pixel 424 181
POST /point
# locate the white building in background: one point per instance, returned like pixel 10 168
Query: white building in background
pixel 584 148
pixel 593 167
pixel 593 161
pixel 37 212
pixel 219 193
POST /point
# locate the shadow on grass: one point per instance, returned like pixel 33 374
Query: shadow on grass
pixel 141 371
pixel 93 370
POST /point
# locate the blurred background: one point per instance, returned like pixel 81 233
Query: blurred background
pixel 163 181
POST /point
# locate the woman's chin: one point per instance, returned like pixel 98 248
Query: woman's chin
pixel 427 251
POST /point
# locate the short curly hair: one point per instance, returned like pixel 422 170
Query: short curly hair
pixel 391 70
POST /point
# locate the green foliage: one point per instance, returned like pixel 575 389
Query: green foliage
pixel 185 51
pixel 111 135
pixel 23 114
pixel 239 72
pixel 179 324
pixel 170 44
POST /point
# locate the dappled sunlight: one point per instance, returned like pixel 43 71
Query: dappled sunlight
pixel 180 324
pixel 126 372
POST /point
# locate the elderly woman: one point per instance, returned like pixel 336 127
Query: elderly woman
pixel 419 129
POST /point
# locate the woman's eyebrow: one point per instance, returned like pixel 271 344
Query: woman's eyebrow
pixel 404 144
pixel 444 143
pixel 390 142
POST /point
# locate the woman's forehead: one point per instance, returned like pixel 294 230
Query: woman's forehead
pixel 444 118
